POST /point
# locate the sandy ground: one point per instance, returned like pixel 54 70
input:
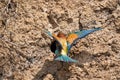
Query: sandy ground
pixel 24 49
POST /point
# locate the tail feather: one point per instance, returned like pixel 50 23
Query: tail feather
pixel 65 58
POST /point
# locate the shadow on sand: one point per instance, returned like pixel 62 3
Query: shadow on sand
pixel 60 70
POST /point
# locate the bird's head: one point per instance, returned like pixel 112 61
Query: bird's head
pixel 61 35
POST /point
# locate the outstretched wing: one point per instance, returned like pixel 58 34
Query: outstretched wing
pixel 73 37
pixel 52 35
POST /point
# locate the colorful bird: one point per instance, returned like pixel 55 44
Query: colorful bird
pixel 64 43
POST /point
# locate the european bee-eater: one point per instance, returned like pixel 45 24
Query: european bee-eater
pixel 64 43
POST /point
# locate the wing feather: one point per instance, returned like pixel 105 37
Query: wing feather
pixel 52 35
pixel 73 37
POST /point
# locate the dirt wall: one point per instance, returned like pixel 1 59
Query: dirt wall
pixel 24 49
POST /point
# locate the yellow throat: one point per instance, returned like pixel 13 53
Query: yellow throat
pixel 64 45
